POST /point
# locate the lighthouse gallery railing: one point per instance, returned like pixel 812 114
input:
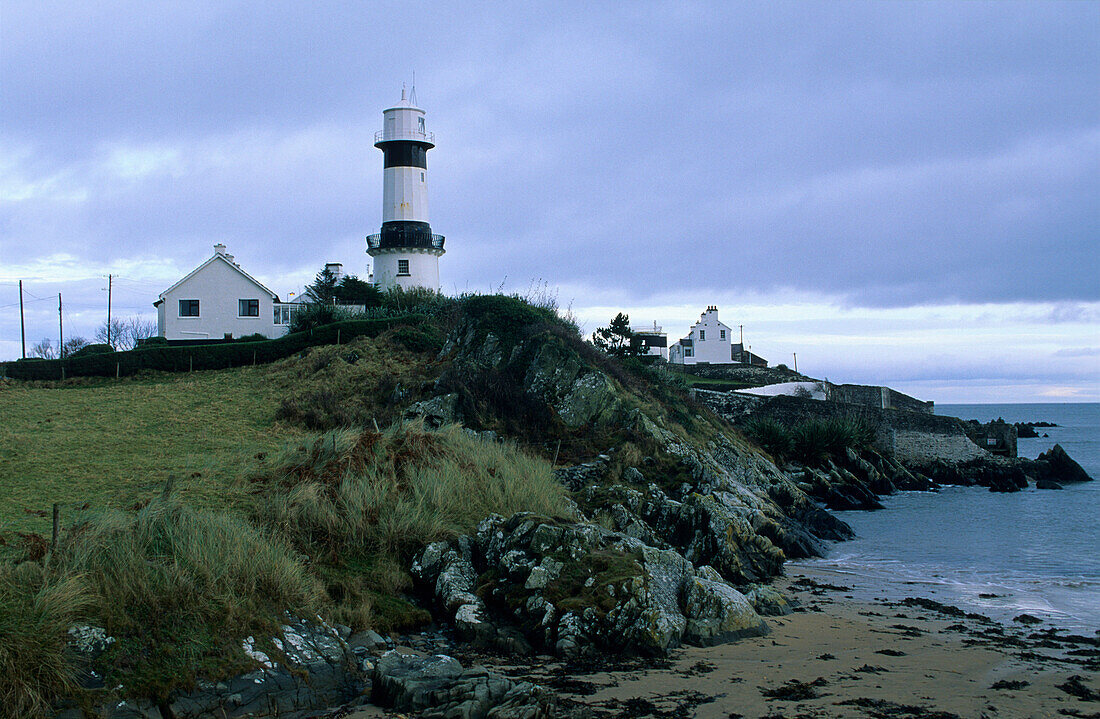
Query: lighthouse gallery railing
pixel 375 241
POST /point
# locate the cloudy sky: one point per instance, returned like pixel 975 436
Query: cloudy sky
pixel 900 193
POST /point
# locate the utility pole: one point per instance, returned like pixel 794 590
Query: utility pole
pixel 60 330
pixel 795 361
pixel 109 310
pixel 22 327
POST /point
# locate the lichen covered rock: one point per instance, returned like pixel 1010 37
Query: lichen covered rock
pixel 438 686
pixel 578 587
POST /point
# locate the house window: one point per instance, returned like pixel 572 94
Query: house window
pixel 420 124
pixel 421 176
pixel 721 334
pixel 283 314
pixel 402 268
pixel 248 308
pixel 702 335
pixel 688 352
pixel 189 308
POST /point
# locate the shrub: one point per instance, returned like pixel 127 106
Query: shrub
pixel 179 589
pixel 176 358
pixel 94 349
pixel 366 500
pixel 771 436
pixel 425 338
pixel 36 612
pixel 508 318
pixel 254 337
pixel 317 315
pixel 416 300
pixel 817 440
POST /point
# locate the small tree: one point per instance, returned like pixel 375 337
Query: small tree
pixel 125 333
pixel 43 349
pixel 323 289
pixel 617 339
pixel 110 335
pixel 73 345
pixel 353 291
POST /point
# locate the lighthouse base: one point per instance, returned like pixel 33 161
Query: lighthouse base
pixel 406 267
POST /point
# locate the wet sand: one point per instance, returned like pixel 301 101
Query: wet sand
pixel 841 655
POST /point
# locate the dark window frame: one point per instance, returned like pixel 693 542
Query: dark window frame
pixel 248 308
pixel 190 305
pixel 403 272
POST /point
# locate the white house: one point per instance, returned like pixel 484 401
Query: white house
pixel 709 341
pixel 219 300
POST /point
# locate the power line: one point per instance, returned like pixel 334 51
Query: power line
pixel 27 302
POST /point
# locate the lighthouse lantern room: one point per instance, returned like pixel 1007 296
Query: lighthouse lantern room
pixel 406 253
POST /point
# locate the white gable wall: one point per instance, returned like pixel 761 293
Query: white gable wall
pixel 711 341
pixel 217 286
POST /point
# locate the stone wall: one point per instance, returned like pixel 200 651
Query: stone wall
pixel 916 438
pixel 875 396
pixel 757 376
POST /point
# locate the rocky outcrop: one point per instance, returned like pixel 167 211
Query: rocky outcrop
pixel 438 686
pixel 997 474
pixel 315 668
pixel 1056 466
pixel 575 588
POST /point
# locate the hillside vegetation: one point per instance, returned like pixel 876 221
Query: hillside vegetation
pixel 308 486
pixel 111 443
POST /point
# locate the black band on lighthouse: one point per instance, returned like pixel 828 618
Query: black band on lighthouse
pixel 405 233
pixel 400 153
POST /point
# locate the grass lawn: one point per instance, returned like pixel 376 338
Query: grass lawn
pixel 719 385
pixel 114 443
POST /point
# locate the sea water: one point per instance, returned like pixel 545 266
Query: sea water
pixel 1034 551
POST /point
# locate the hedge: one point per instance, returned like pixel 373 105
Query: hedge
pixel 168 358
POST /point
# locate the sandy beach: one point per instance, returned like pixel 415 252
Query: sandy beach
pixel 840 655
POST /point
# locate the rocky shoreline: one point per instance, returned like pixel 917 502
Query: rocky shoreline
pixel 668 568
pixel 836 655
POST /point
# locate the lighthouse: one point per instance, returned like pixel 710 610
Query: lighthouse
pixel 406 253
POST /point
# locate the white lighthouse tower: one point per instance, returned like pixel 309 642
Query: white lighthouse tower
pixel 406 253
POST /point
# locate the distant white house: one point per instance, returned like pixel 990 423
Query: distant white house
pixel 219 300
pixel 654 340
pixel 708 341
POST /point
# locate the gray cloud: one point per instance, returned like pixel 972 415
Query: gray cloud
pixel 889 154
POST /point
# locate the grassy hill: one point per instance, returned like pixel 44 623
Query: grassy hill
pixel 112 443
pixel 296 487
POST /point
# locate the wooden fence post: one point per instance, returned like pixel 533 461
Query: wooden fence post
pixel 56 527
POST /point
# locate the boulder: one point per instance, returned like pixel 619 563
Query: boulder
pixel 1044 483
pixel 578 587
pixel 316 669
pixel 769 602
pixel 438 686
pixel 717 613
